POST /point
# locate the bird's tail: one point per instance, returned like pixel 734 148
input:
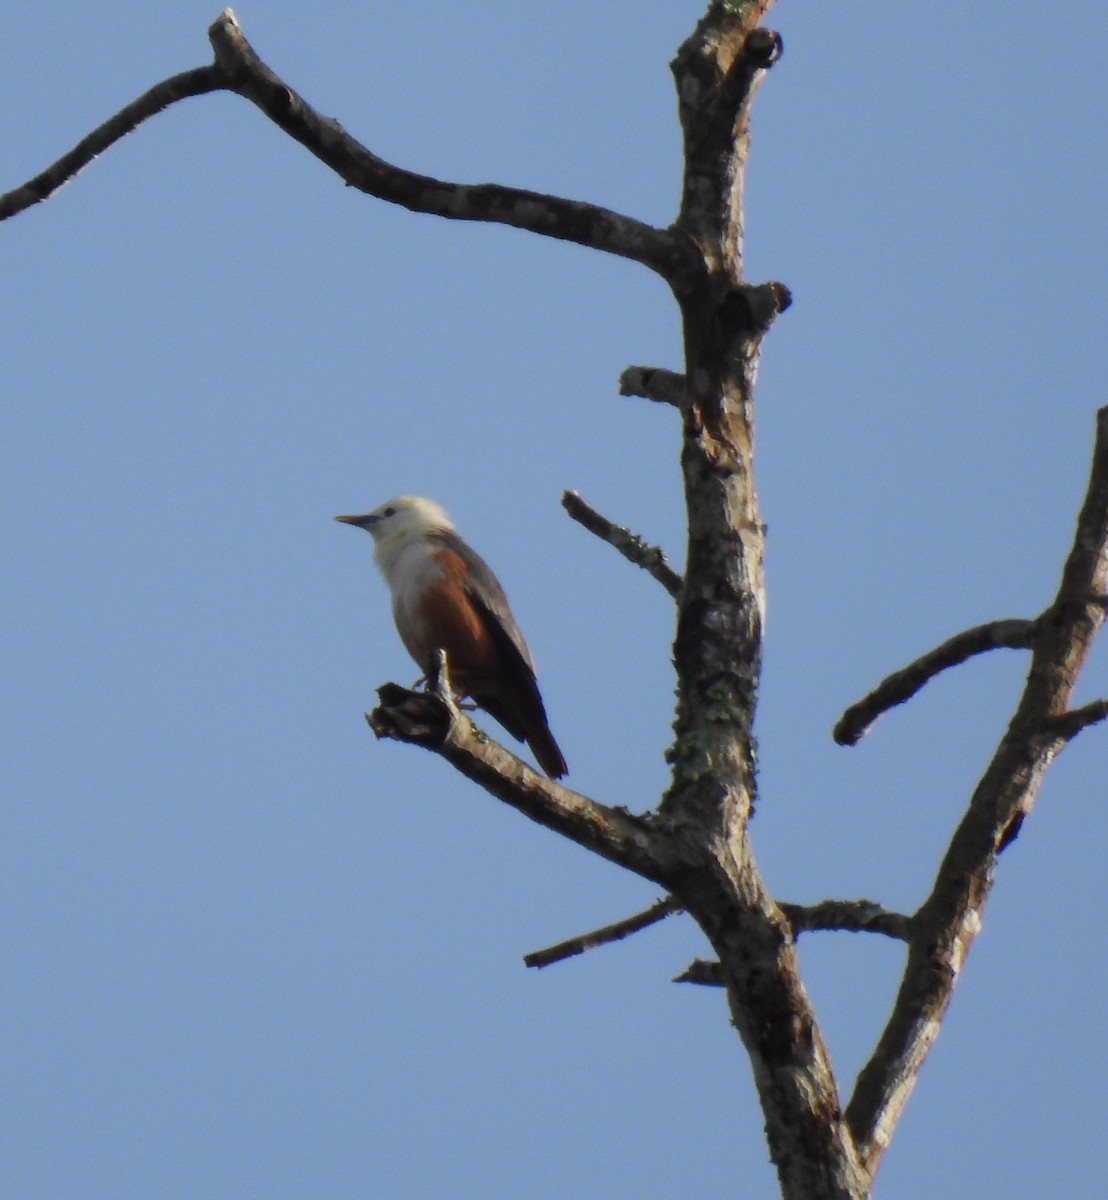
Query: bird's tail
pixel 523 716
pixel 545 750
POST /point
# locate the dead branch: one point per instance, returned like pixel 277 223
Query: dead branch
pixel 630 545
pixel 434 721
pixel 945 925
pixel 664 251
pixel 189 83
pixel 653 383
pixel 237 68
pixel 902 685
pixel 615 932
pixel 717 650
pixel 853 916
pixel 1069 724
pixel 704 972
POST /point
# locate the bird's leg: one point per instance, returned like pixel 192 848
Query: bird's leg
pixel 437 680
pixel 438 677
pixel 464 704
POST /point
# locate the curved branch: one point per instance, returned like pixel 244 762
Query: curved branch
pixel 1013 633
pixel 652 560
pixel 238 69
pixel 944 927
pixel 669 253
pixel 178 87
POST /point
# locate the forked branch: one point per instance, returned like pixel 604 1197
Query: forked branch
pixel 945 925
pixel 571 220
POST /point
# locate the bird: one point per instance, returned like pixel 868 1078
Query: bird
pixel 445 597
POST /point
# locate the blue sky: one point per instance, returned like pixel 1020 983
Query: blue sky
pixel 248 951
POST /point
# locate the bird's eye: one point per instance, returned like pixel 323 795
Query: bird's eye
pixel 389 512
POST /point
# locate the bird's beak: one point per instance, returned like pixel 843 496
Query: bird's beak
pixel 361 522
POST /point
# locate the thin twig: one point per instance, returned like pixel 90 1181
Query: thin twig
pixel 630 545
pixel 1013 633
pixel 178 87
pixel 658 911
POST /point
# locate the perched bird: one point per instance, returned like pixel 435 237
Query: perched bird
pixel 445 597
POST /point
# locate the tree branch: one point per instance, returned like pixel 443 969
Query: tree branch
pixel 615 932
pixel 945 925
pixel 432 720
pixel 854 916
pixel 1069 724
pixel 669 253
pixel 630 545
pixel 704 972
pixel 902 685
pixel 698 847
pixel 189 83
pixel 237 68
pixel 654 383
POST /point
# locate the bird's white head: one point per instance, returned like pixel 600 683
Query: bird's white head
pixel 398 523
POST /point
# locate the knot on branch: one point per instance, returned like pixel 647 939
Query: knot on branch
pixel 242 69
pixel 748 311
pixel 233 53
pixel 763 48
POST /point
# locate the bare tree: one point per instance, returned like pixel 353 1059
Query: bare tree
pixel 695 843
